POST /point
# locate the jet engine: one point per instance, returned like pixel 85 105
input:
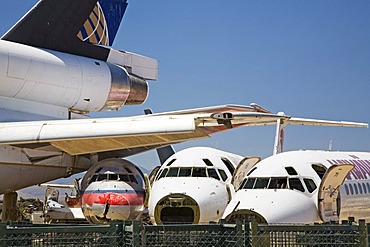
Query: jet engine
pixel 62 82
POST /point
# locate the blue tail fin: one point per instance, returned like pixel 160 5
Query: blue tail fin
pixel 102 25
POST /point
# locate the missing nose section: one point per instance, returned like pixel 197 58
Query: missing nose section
pixel 177 208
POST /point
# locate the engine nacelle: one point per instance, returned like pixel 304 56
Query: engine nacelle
pixel 31 75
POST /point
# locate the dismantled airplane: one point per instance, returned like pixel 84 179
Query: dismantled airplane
pixel 196 184
pixel 304 187
pixel 56 67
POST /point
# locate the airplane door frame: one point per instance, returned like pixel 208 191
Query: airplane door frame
pixel 244 166
pixel 329 191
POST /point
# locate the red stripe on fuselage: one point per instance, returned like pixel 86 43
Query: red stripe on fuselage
pixel 112 198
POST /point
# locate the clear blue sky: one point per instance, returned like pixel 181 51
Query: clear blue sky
pixel 306 58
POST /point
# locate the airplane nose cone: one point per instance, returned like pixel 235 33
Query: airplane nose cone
pixel 272 206
pixel 177 208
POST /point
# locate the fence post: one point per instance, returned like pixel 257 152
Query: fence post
pixel 239 233
pixel 136 228
pixel 362 228
pixel 253 233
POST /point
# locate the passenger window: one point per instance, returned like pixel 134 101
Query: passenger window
pixel 355 187
pixel 250 183
pixel 223 175
pixel 319 169
pixel 207 162
pixel 199 172
pixel 185 172
pixel 346 189
pixel 360 188
pixel 261 183
pixel 213 174
pixel 295 184
pixel 228 164
pixel 310 185
pixel 351 188
pixel 173 172
pixel 364 187
pixel 291 171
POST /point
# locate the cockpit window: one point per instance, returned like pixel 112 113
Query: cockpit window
pixel 170 163
pixel 319 169
pixel 223 175
pixel 207 162
pixel 173 172
pixel 128 170
pixel 185 172
pixel 261 183
pixel 163 173
pixel 250 172
pixel 133 179
pixel 296 184
pixel 310 184
pixel 199 172
pixel 249 183
pixel 278 183
pixel 192 172
pixel 228 164
pixel 291 171
pixel 213 174
pixel 264 183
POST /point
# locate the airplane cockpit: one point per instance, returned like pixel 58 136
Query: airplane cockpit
pixel 197 172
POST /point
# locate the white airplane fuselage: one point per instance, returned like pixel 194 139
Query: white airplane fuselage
pixel 193 186
pixel 113 189
pixel 285 188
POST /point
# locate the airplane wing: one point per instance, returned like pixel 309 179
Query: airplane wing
pixel 85 136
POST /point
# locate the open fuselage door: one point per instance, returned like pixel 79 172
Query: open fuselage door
pixel 328 204
pixel 244 166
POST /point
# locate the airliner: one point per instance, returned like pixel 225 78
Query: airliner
pixel 114 189
pixel 197 185
pixel 56 67
pixel 304 187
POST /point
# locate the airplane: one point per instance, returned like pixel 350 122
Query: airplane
pixel 114 189
pixel 56 67
pixel 56 210
pixel 304 187
pixel 196 185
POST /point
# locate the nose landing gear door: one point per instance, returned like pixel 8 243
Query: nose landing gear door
pixel 244 166
pixel 329 191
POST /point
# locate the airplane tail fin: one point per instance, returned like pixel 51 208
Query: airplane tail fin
pixel 279 136
pixel 102 25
